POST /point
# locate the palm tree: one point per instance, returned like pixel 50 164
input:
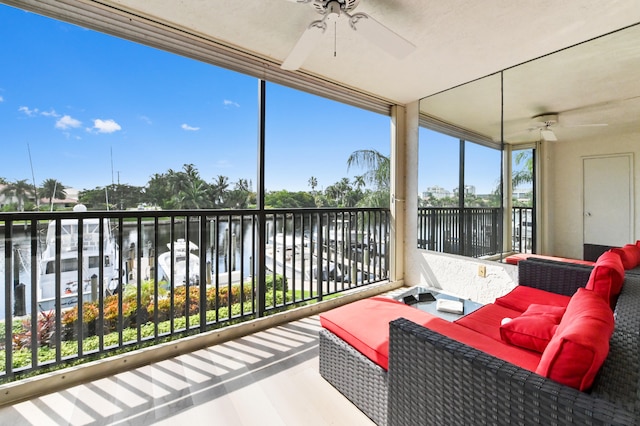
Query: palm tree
pixel 53 188
pixel 377 165
pixel 191 172
pixel 359 182
pixel 344 187
pixel 332 193
pixel 218 188
pixel 378 172
pixel 242 185
pixel 525 175
pixel 195 195
pixel 20 190
pixel 313 183
pixel 178 181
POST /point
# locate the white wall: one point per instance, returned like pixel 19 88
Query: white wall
pixel 565 193
pixel 459 275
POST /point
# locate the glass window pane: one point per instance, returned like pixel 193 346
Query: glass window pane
pixel 309 141
pixel 115 114
pixel 481 176
pixel 438 170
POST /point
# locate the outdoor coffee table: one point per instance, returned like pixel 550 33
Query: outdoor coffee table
pixel 430 306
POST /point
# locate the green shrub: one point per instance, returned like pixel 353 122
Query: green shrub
pixel 280 282
pixel 69 348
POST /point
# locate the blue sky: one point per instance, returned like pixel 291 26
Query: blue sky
pixel 81 101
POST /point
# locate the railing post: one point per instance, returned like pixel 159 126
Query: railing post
pixel 261 237
pixel 494 230
pixel 202 274
pixel 8 324
pixel 320 261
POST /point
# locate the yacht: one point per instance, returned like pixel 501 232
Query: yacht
pixel 182 250
pixel 77 276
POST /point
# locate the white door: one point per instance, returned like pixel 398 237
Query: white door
pixel 608 200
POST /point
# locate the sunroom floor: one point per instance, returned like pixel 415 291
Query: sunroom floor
pixel 267 378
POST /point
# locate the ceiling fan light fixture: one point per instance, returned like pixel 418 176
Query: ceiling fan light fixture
pixel 548 135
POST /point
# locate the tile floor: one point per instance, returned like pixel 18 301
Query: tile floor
pixel 267 378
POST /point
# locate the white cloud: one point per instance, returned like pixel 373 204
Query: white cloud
pixel 67 122
pixel 227 102
pixel 1 99
pixel 51 113
pixel 189 128
pixel 106 126
pixel 27 111
pixel 145 119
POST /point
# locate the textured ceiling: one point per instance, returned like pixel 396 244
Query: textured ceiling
pixel 457 40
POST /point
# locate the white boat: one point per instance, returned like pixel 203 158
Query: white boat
pixel 69 265
pixel 180 253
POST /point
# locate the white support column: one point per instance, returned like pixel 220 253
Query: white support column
pixel 507 198
pixel 397 188
pixel 542 196
pixel 403 187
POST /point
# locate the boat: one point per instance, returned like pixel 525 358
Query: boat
pixel 181 250
pixel 92 243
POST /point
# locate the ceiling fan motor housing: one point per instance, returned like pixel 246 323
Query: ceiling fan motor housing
pixel 545 120
pixel 325 6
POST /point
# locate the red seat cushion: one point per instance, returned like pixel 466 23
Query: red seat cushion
pixel 522 296
pixel 487 319
pixel 365 326
pixel 581 342
pixel 534 328
pixel 515 258
pixel 607 277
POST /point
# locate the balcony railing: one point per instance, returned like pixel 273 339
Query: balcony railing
pixel 151 275
pixel 471 231
pixel 524 235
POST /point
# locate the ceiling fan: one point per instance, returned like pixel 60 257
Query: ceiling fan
pixel 547 121
pixel 334 10
pixel 544 123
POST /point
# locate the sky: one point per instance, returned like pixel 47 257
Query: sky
pixel 90 109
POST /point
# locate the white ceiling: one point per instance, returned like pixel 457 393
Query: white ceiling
pixel 591 89
pixel 457 40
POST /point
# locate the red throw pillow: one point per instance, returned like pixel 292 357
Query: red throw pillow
pixel 606 277
pixel 580 344
pixel 629 255
pixel 551 311
pixel 534 328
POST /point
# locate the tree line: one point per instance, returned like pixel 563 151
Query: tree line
pixel 186 189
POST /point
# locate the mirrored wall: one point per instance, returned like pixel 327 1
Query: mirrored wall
pixel 588 92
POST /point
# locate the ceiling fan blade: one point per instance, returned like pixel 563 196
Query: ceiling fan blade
pixel 380 35
pixel 304 46
pixel 586 125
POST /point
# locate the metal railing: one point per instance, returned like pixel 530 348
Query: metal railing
pixel 159 274
pixel 524 235
pixel 471 231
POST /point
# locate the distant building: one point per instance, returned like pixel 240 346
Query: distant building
pixel 59 204
pixel 522 194
pixel 69 201
pixel 437 192
pixel 468 190
pixel 7 199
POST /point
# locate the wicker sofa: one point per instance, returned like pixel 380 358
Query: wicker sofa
pixel 433 379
